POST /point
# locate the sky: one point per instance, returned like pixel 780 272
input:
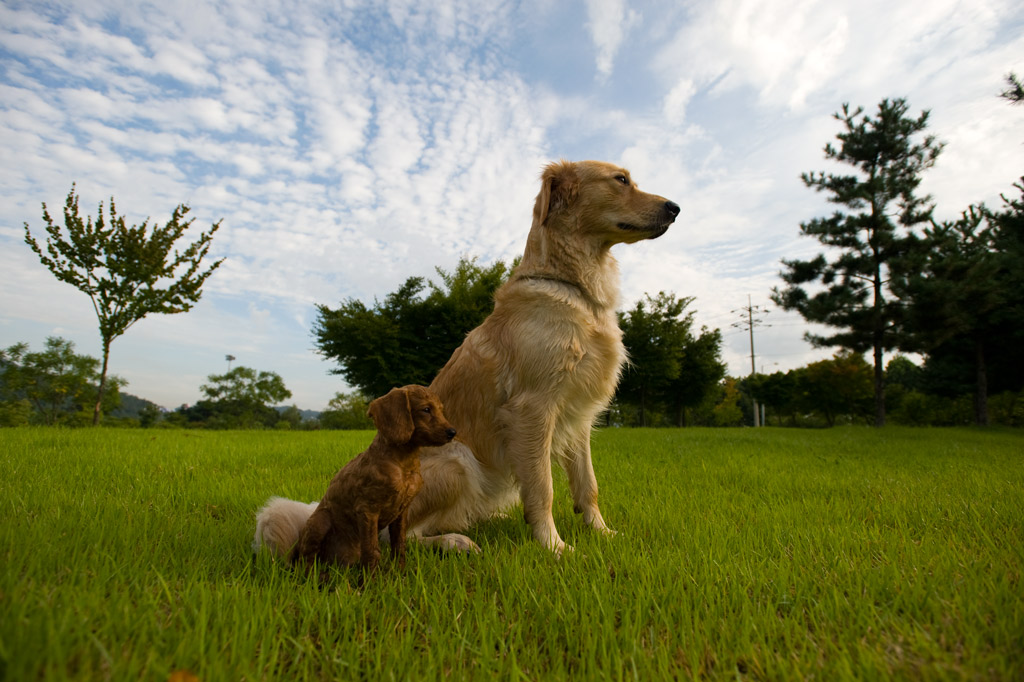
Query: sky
pixel 347 145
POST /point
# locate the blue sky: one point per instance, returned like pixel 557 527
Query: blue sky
pixel 349 145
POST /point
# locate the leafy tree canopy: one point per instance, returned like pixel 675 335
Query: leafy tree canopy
pixel 670 368
pixel 347 411
pixel 246 386
pixel 127 272
pixel 56 382
pixel 409 336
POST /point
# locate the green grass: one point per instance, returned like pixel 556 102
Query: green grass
pixel 741 554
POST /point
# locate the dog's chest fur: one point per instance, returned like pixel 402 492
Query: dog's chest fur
pixel 566 346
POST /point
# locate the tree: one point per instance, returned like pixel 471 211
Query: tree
pixel 128 273
pixel 54 382
pixel 883 207
pixel 289 418
pixel 654 335
pixel 669 368
pixel 778 392
pixel 347 411
pixel 1008 244
pixel 727 410
pixel 240 398
pixel 839 386
pixel 409 336
pixel 246 386
pixel 951 288
pixel 962 289
pixel 700 370
pixel 1014 91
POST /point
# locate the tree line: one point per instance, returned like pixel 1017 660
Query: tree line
pixel 56 386
pixel 409 335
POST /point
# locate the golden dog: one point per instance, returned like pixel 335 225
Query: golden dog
pixel 526 386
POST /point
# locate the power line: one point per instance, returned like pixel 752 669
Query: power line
pixel 751 316
pixel 749 321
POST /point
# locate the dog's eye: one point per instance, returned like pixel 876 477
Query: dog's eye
pixel 427 409
pixel 623 179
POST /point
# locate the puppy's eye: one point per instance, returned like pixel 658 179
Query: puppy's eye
pixel 427 409
pixel 623 179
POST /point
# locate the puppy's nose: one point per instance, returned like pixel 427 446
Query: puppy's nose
pixel 450 433
pixel 672 207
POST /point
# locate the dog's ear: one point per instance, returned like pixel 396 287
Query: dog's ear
pixel 393 416
pixel 560 184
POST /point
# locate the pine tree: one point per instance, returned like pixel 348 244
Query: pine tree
pixel 882 207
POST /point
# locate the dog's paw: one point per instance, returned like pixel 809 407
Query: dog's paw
pixel 459 543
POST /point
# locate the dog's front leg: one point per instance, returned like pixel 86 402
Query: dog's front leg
pixel 579 469
pixel 529 444
pixel 369 545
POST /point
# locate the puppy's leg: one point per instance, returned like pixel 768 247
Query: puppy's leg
pixel 369 547
pixel 311 537
pixel 396 535
pixel 579 468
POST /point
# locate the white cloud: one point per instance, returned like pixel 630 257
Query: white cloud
pixel 609 21
pixel 676 101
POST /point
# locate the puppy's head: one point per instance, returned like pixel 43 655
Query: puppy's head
pixel 600 200
pixel 411 415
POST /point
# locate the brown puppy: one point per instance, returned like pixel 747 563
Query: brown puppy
pixel 373 491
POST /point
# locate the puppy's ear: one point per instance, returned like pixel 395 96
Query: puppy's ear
pixel 393 416
pixel 560 184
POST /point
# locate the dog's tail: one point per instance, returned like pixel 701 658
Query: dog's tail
pixel 279 523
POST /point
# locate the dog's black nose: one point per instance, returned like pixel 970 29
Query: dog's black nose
pixel 672 207
pixel 450 433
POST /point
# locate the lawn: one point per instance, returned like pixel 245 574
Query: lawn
pixel 742 554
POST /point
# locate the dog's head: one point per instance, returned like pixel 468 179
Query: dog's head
pixel 411 415
pixel 600 200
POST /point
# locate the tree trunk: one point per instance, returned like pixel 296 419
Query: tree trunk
pixel 981 385
pixel 682 417
pixel 103 386
pixel 879 387
pixel 878 339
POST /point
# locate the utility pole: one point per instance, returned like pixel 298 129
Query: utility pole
pixel 229 358
pixel 749 323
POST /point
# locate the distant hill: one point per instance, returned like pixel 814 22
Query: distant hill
pixel 306 414
pixel 131 406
